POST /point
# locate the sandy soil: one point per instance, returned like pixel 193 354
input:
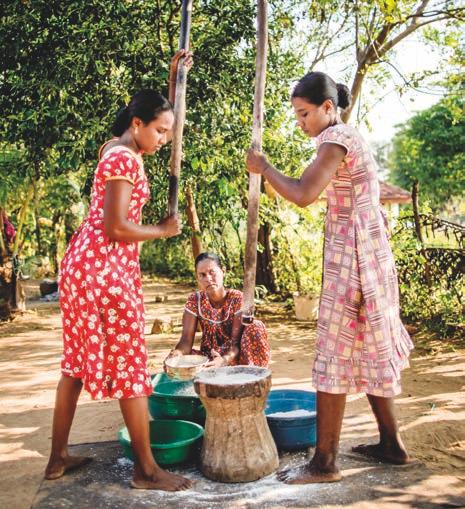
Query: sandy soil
pixel 431 409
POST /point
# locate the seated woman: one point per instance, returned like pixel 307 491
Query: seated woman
pixel 225 340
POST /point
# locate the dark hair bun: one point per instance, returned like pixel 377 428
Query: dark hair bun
pixel 121 121
pixel 343 96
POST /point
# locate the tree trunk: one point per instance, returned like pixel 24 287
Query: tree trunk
pixel 54 246
pixel 7 290
pixel 416 213
pixel 355 91
pixel 22 219
pixel 36 217
pixel 265 274
pixel 193 221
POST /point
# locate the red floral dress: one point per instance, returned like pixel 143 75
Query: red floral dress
pixel 217 323
pixel 101 293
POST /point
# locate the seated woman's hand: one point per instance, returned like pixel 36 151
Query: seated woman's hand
pixel 217 361
pixel 173 353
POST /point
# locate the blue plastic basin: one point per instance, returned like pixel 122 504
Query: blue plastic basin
pixel 290 430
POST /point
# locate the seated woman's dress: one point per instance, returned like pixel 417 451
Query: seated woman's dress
pixel 216 325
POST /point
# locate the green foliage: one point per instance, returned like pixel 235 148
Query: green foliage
pixel 168 257
pixel 429 297
pixel 68 66
pixel 429 149
pixel 13 169
pixel 298 249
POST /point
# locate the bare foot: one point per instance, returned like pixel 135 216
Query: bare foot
pixel 160 480
pixel 394 454
pixel 308 474
pixel 57 468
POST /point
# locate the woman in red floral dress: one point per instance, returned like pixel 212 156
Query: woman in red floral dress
pixel 101 293
pixel 225 341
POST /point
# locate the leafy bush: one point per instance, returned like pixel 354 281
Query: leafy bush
pixel 429 295
pixel 170 258
pixel 298 253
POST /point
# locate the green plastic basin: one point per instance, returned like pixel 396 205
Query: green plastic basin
pixel 171 441
pixel 173 399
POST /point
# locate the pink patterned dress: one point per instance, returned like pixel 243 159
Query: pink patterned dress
pixel 101 293
pixel 361 345
pixel 217 324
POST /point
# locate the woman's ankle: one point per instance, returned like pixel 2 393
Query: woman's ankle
pixel 325 460
pixel 60 454
pixel 392 442
pixel 146 470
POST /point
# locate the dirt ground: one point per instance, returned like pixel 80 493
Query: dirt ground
pixel 431 408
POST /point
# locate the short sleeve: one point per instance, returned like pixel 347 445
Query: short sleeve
pixel 339 134
pixel 120 166
pixel 192 305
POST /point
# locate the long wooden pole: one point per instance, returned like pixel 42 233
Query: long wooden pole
pixel 250 267
pixel 179 111
pixel 194 223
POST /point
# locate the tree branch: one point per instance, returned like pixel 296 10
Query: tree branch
pixel 321 55
pixel 411 28
pixel 331 53
pixel 407 82
pixel 451 13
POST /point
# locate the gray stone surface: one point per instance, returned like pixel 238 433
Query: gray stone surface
pixel 104 484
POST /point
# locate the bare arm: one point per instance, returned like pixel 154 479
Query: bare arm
pixel 185 344
pixel 189 327
pixel 115 217
pixel 306 189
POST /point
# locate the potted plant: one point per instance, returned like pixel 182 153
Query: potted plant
pixel 307 296
pixel 303 259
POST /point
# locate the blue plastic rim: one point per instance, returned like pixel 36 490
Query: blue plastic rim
pixel 292 433
pixel 292 394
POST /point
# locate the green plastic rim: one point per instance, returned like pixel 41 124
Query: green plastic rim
pixel 123 435
pixel 164 395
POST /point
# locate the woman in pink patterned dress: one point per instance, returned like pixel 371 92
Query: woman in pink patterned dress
pixel 361 344
pixel 225 340
pixel 101 294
